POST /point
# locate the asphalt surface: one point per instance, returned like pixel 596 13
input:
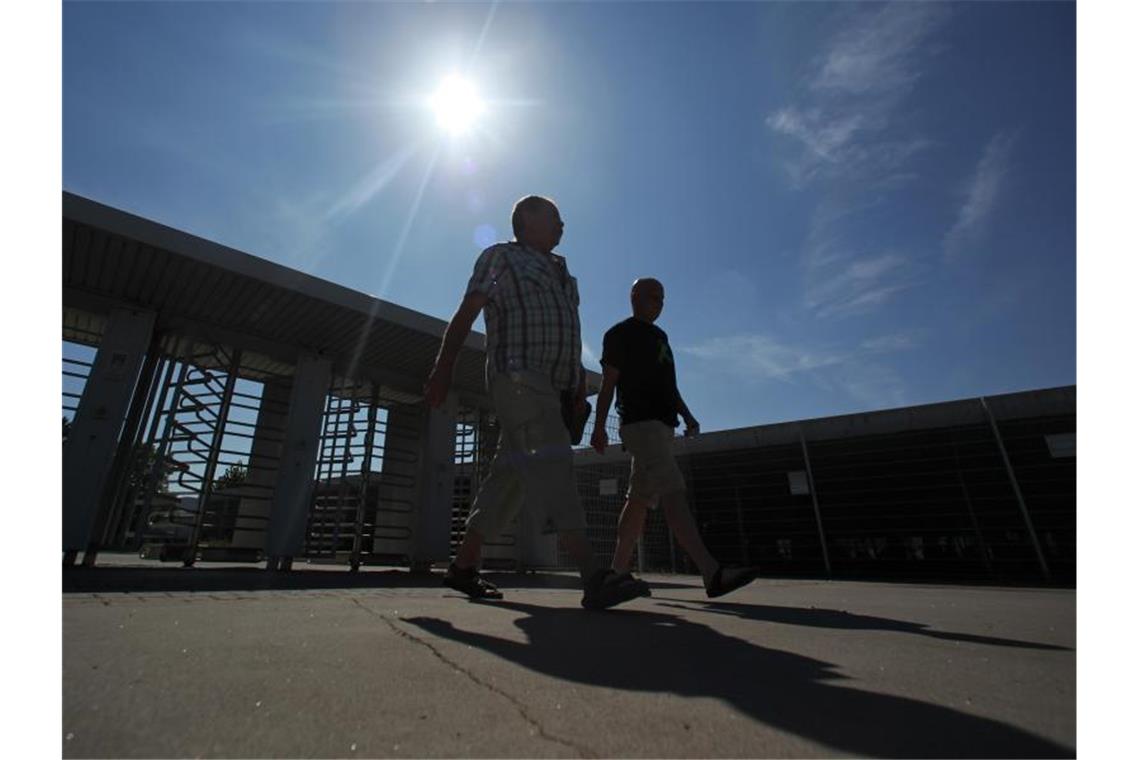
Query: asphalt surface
pixel 238 662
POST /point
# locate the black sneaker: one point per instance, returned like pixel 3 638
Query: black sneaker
pixel 606 588
pixel 628 576
pixel 727 579
pixel 471 583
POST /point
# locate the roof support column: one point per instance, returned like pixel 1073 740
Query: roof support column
pixel 435 492
pixel 293 495
pixel 264 465
pixel 90 447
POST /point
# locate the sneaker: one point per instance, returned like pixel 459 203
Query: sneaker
pixel 606 588
pixel 470 582
pixel 727 579
pixel 630 577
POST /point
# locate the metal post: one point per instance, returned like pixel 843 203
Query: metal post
pixel 212 460
pixel 326 459
pixel 346 457
pixel 163 449
pixel 1017 491
pixel 815 504
pixel 110 508
pixel 982 547
pixel 160 452
pixel 145 437
pixel 365 478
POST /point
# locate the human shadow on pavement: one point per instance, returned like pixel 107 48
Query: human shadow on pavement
pixel 814 617
pixel 655 652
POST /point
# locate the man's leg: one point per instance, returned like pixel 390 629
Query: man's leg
pixel 470 549
pixel 630 525
pixel 497 502
pixel 581 551
pixel 684 528
pixel 719 579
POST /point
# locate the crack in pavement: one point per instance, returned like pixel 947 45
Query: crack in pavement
pixel 582 750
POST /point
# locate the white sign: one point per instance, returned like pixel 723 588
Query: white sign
pixel 1062 445
pixel 798 482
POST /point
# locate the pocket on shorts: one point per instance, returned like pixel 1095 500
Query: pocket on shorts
pixel 522 412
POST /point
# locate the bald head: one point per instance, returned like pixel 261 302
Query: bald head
pixel 647 297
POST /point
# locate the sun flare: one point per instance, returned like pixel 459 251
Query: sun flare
pixel 457 105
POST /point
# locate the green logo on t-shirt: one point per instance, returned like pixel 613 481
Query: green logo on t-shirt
pixel 663 353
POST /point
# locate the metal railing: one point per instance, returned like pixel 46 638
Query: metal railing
pixel 931 504
pixel 364 492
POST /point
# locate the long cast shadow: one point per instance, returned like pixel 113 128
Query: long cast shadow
pixel 841 619
pixel 655 652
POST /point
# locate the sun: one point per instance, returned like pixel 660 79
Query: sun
pixel 457 105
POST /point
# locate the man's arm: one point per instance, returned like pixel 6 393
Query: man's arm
pixel 692 427
pixel 439 380
pixel 600 438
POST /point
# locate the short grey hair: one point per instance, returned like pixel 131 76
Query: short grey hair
pixel 527 205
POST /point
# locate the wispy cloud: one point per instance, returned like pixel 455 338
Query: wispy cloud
pixel 843 122
pixel 846 125
pixel 761 357
pixel 905 340
pixel 874 385
pixel 859 284
pixel 863 372
pixel 981 195
pixel 879 53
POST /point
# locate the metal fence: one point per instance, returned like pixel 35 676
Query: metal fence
pixel 366 478
pixel 928 504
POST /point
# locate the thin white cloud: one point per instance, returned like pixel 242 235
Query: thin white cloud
pixel 890 343
pixel 840 280
pixel 861 283
pixel 844 123
pixel 824 138
pixel 875 385
pixel 846 126
pixel 879 52
pixel 860 371
pixel 981 195
pixel 760 356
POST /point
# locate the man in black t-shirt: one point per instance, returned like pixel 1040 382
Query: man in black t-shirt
pixel 638 363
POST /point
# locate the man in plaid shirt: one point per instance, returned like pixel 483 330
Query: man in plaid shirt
pixel 534 353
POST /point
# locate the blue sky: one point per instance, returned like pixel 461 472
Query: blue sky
pixel 851 206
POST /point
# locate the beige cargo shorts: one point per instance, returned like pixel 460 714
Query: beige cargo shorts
pixel 654 471
pixel 533 465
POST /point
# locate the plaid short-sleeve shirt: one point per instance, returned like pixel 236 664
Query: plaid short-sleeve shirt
pixel 531 313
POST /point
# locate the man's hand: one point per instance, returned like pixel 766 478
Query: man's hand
pixel 692 427
pixel 437 386
pixel 599 439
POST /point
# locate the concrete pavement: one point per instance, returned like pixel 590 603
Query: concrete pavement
pixel 237 662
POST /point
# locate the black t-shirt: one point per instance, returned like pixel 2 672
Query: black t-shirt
pixel 647 383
